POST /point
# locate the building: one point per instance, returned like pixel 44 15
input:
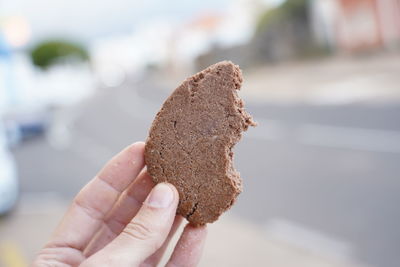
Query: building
pixel 356 25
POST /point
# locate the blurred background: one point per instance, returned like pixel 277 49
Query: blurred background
pixel 80 80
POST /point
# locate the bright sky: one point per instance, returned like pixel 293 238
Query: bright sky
pixel 89 19
pixel 273 2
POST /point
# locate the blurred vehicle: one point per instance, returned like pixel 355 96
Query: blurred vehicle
pixel 23 116
pixel 8 176
pixel 26 124
pixel 29 94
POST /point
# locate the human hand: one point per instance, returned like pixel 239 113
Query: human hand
pixel 114 221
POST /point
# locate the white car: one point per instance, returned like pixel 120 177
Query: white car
pixel 8 176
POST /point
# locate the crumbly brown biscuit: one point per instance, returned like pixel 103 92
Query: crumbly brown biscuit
pixel 191 139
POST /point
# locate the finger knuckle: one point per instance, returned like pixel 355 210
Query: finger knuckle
pixel 138 230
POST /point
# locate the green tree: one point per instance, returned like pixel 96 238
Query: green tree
pixel 289 10
pixel 52 52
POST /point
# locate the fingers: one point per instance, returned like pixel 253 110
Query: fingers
pixel 154 259
pixel 145 234
pixel 122 213
pixel 189 248
pixel 89 208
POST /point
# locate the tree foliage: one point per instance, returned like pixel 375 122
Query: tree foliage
pixel 288 10
pixel 52 52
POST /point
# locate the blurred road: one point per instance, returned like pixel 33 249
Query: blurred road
pixel 328 174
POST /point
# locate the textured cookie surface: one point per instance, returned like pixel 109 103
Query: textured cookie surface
pixel 191 139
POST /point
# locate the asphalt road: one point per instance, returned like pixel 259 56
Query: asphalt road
pixel 330 170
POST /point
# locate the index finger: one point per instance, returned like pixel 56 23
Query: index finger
pixel 90 207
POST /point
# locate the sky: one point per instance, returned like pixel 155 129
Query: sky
pixel 85 20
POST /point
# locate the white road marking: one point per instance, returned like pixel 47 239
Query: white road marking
pixel 372 140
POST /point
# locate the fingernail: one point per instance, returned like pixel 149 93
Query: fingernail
pixel 160 197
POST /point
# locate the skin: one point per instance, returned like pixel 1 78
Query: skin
pixel 121 219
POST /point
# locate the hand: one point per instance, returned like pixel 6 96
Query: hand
pixel 114 221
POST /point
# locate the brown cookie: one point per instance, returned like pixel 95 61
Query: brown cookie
pixel 191 139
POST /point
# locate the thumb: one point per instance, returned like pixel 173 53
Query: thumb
pixel 145 233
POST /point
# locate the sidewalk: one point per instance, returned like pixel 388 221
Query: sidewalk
pixel 335 80
pixel 231 242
